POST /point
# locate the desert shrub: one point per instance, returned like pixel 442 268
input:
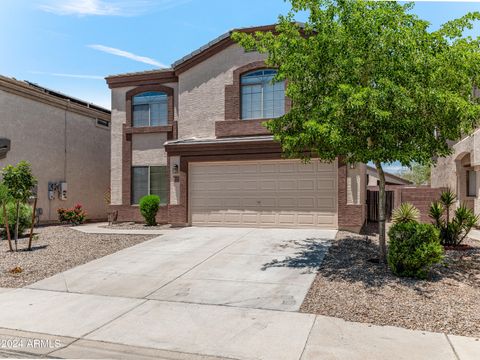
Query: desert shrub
pixel 25 219
pixel 413 249
pixel 453 230
pixel 406 212
pixel 74 216
pixel 149 206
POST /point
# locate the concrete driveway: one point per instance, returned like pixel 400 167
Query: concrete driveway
pixel 254 268
pixel 202 293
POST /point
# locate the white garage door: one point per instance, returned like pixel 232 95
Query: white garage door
pixel 267 193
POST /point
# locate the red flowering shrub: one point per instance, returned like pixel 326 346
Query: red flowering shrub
pixel 75 216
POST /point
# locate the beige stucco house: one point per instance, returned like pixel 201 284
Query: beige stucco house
pixel 459 171
pixel 66 140
pixel 193 135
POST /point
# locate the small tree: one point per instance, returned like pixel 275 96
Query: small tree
pixel 369 82
pixel 418 174
pixel 20 182
pixel 4 199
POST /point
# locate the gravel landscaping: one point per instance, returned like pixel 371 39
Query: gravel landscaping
pixel 351 287
pixel 56 249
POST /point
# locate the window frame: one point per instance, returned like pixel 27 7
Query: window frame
pixel 262 84
pixel 166 102
pixel 468 193
pixel 129 109
pixel 167 182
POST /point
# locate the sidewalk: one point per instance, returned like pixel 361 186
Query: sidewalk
pixel 89 326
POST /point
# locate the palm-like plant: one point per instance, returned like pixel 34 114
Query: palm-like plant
pixel 464 220
pixel 436 213
pixel 447 199
pixel 452 232
pixel 405 213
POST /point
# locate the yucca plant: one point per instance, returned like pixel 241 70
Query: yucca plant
pixel 405 213
pixel 464 220
pixel 453 232
pixel 436 213
pixel 447 199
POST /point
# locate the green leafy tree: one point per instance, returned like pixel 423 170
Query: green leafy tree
pixel 4 199
pixel 369 82
pixel 418 174
pixel 20 183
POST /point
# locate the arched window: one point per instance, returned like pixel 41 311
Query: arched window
pixel 261 97
pixel 150 109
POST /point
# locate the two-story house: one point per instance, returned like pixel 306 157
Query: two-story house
pixel 193 135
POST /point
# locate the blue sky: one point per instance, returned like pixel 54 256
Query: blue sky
pixel 71 45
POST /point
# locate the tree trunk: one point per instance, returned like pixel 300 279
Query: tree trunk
pixel 381 212
pixel 16 225
pixel 7 229
pixel 33 223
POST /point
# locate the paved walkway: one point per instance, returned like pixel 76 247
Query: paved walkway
pixel 203 293
pixel 474 234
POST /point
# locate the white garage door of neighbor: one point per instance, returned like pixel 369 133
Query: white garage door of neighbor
pixel 266 193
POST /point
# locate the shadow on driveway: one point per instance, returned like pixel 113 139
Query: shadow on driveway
pixel 309 255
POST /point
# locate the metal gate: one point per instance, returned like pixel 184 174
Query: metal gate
pixel 372 205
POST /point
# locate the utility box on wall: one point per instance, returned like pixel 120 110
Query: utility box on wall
pixel 63 191
pixel 4 147
pixel 57 188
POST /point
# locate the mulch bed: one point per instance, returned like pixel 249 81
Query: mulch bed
pixel 56 249
pixel 351 287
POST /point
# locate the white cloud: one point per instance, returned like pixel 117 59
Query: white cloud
pixel 128 55
pixel 107 8
pixel 77 76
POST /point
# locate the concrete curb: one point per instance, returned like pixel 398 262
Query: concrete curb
pixel 97 228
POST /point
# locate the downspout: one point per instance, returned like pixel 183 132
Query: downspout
pixel 65 143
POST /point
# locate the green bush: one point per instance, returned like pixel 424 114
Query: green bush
pixel 413 249
pixel 25 219
pixel 149 206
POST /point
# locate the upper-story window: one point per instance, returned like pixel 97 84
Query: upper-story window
pixel 261 97
pixel 150 109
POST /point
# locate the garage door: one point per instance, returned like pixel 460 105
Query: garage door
pixel 271 193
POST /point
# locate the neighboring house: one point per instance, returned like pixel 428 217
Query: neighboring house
pixel 390 179
pixel 66 140
pixel 459 171
pixel 193 135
